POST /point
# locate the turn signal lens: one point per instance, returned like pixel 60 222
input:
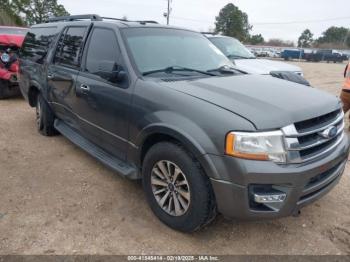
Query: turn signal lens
pixel 256 146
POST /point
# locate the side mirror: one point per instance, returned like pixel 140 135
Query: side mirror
pixel 111 71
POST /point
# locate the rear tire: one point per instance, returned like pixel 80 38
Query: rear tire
pixel 169 169
pixel 44 117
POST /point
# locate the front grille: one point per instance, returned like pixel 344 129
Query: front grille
pixel 307 125
pixel 306 140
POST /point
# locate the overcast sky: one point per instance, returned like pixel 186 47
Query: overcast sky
pixel 271 18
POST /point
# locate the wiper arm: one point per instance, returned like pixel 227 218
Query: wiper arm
pixel 171 69
pixel 226 70
pixel 239 57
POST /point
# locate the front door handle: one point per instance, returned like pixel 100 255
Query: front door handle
pixel 85 88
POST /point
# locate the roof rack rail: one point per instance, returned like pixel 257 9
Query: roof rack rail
pixel 94 17
pixel 209 33
pixel 136 21
pixel 91 17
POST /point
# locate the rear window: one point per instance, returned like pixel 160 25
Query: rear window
pixel 37 42
pixel 13 31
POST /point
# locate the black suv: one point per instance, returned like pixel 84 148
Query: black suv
pixel 164 105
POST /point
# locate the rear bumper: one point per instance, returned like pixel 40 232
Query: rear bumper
pixel 303 184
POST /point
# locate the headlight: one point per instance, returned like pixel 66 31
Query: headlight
pixel 256 146
pixel 5 57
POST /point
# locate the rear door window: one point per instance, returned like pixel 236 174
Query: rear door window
pixel 37 43
pixel 69 47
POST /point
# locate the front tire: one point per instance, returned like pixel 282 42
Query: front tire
pixel 177 190
pixel 44 117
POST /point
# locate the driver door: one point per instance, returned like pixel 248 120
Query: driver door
pixel 103 104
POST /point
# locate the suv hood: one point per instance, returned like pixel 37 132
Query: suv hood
pixel 267 102
pixel 264 66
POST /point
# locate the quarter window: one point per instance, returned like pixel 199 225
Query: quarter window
pixel 69 47
pixel 37 43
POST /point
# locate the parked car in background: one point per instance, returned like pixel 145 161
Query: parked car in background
pixel 262 53
pixel 288 54
pixel 11 39
pixel 327 55
pixel 247 62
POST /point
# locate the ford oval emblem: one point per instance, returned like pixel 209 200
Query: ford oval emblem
pixel 329 133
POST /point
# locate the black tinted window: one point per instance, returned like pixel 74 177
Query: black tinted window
pixel 103 47
pixel 37 42
pixel 69 46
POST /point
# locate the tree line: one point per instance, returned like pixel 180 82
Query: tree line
pixel 29 12
pixel 231 21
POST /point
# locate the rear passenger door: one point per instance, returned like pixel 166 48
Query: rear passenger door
pixel 63 71
pixel 102 102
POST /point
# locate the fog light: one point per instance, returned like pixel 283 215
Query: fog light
pixel 269 198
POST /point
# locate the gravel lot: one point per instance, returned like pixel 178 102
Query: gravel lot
pixel 56 199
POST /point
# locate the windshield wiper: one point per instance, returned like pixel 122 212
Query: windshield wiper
pixel 226 70
pixel 240 57
pixel 171 69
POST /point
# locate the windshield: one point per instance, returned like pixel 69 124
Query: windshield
pixel 157 49
pixel 12 31
pixel 232 48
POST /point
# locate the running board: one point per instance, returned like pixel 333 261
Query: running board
pixel 112 162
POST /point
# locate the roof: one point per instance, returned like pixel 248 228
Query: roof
pixel 121 23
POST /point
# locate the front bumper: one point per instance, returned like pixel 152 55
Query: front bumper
pixel 303 183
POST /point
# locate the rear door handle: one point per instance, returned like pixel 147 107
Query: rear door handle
pixel 85 88
pixel 50 76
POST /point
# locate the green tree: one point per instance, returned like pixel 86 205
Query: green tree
pixel 7 14
pixel 306 39
pixel 233 22
pixel 38 11
pixel 338 36
pixel 256 39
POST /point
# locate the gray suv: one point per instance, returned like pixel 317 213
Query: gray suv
pixel 164 105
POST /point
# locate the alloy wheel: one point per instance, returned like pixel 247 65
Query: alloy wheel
pixel 170 188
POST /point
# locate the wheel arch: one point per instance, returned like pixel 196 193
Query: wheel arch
pixel 33 91
pixel 163 133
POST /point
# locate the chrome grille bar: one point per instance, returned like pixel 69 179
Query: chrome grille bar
pixel 291 131
pixel 300 152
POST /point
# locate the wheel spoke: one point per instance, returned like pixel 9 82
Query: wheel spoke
pixel 183 193
pixel 164 198
pixel 158 182
pixel 159 174
pixel 177 172
pixel 176 204
pixel 182 183
pixel 168 165
pixel 163 169
pixel 183 202
pixel 170 204
pixel 160 191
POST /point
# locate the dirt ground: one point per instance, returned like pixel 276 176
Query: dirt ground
pixel 56 199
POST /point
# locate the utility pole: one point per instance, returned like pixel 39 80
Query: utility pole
pixel 167 14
